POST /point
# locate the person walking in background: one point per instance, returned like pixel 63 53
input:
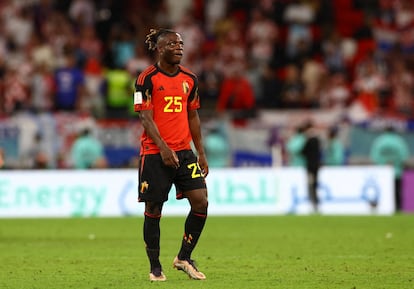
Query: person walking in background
pixel 312 154
pixel 390 148
pixel 166 97
pixel 334 154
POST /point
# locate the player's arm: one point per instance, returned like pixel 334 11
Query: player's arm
pixel 194 123
pixel 168 156
pixel 143 105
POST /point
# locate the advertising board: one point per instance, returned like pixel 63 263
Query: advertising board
pixel 241 191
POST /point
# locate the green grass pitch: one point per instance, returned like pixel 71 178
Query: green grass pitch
pixel 300 252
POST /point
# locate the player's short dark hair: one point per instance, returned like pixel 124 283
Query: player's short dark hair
pixel 154 35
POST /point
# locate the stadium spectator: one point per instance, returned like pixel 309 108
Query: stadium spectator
pixel 94 84
pixel 369 85
pixel 299 40
pixel 217 147
pixel 109 13
pixel 210 81
pixel 335 91
pixel 37 156
pixel 231 49
pixel 294 147
pixel 121 45
pixel 41 53
pixel 236 95
pixel 366 31
pixel 385 31
pixel 334 150
pixel 404 19
pixel 117 91
pixel 312 74
pixel 15 90
pixel 42 12
pixel 271 88
pixel 390 148
pixel 42 88
pixel 262 34
pixel 87 151
pixel 293 88
pixel 194 38
pixel 138 62
pixel 60 34
pixel 401 81
pixel 90 46
pixel 337 51
pixel 162 16
pixel 18 25
pixel 82 12
pixel 214 11
pixel 70 84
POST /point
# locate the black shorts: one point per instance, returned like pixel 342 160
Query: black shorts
pixel 156 179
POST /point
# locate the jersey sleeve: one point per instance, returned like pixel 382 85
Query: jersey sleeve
pixel 194 98
pixel 143 92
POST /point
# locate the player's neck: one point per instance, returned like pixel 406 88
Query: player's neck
pixel 168 68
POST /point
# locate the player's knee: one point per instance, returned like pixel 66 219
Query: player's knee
pixel 201 205
pixel 204 204
pixel 153 209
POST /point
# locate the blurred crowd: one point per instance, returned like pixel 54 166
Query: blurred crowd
pixel 81 56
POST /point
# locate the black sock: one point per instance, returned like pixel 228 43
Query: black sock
pixel 194 225
pixel 152 240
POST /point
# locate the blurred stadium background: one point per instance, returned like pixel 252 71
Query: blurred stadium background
pixel 343 64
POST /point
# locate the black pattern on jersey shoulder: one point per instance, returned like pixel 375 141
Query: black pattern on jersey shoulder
pixel 144 74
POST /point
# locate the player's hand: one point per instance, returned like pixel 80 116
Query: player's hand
pixel 170 158
pixel 202 162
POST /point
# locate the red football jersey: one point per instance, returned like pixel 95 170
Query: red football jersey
pixel 170 97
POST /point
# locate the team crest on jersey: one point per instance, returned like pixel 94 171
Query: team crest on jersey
pixel 186 87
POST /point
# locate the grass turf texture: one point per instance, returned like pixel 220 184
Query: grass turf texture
pixel 234 252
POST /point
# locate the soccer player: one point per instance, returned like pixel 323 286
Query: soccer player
pixel 166 97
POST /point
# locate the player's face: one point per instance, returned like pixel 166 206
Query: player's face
pixel 171 48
